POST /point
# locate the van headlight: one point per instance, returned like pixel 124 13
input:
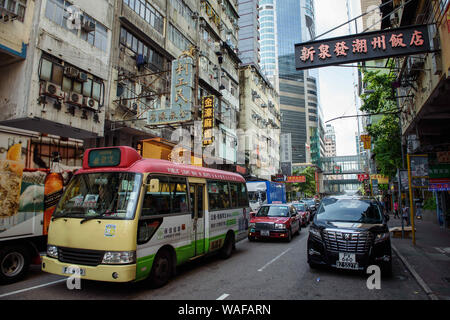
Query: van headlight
pixel 119 257
pixel 381 237
pixel 316 233
pixel 52 251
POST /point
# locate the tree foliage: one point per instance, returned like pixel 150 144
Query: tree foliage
pixel 385 132
pixel 308 187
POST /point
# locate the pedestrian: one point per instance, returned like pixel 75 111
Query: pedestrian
pixel 396 210
pixel 419 209
pixel 405 214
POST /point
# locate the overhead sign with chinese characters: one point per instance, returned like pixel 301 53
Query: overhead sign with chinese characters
pixel 361 47
pixel 181 98
pixel 208 119
pixel 296 179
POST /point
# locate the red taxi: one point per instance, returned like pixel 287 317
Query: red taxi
pixel 303 212
pixel 279 221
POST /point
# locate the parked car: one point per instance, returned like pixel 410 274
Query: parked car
pixel 312 206
pixel 350 233
pixel 303 212
pixel 279 221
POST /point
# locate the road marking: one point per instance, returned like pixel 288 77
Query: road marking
pixel 440 250
pixel 31 288
pixel 274 259
pixel 223 297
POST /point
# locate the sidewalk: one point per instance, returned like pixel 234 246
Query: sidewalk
pixel 428 260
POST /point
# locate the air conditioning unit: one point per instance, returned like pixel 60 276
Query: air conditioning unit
pixel 82 76
pixel 74 98
pixel 90 103
pixel 71 72
pixel 52 90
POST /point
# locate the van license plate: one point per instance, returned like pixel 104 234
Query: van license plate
pixel 74 270
pixel 347 257
pixel 347 265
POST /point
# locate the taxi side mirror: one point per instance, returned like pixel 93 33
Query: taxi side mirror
pixel 252 214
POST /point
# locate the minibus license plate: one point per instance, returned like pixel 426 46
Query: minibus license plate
pixel 74 270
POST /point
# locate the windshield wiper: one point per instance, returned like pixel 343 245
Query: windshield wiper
pixel 94 217
pixel 67 215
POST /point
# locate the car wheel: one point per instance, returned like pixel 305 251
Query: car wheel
pixel 227 248
pixel 289 238
pixel 161 269
pixel 14 264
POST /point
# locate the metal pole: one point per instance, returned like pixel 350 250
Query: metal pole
pixel 411 208
pixel 400 207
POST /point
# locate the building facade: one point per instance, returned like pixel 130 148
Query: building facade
pixel 149 38
pixel 299 97
pixel 260 121
pixel 55 75
pixel 268 40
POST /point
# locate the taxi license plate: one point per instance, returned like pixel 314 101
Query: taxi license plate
pixel 74 270
pixel 265 233
pixel 347 261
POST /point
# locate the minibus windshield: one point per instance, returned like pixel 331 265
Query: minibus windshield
pixel 100 195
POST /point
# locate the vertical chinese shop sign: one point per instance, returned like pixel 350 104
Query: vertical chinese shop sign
pixel 207 119
pixel 181 98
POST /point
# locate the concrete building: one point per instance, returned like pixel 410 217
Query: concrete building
pixel 54 73
pixel 260 120
pixel 148 38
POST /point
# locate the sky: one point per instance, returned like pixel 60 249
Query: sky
pixel 337 84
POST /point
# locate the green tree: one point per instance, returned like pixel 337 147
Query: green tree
pixel 385 131
pixel 308 187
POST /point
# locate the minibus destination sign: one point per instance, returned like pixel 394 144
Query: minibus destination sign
pixel 104 157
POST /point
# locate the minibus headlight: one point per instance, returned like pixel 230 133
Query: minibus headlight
pixel 52 251
pixel 119 257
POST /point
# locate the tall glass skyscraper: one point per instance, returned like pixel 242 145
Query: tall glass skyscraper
pixel 268 40
pixel 302 115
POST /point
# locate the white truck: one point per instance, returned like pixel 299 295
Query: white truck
pixel 28 193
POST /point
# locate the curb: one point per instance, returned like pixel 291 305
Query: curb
pixel 416 276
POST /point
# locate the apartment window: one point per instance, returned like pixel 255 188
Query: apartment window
pixel 177 38
pixel 15 6
pixel 184 11
pixel 52 70
pixel 94 33
pixel 153 58
pixel 147 12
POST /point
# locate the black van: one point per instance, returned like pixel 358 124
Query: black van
pixel 350 232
